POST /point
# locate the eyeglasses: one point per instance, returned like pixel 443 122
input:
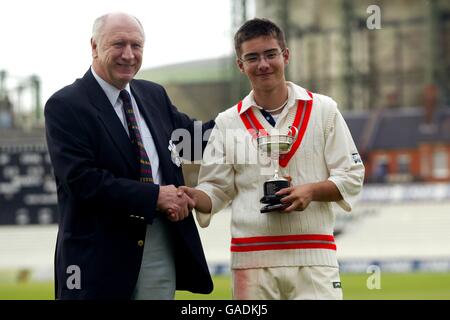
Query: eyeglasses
pixel 255 58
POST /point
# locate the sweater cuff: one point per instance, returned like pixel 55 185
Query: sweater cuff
pixel 203 218
pixel 347 201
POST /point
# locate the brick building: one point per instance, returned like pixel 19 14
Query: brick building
pixel 403 144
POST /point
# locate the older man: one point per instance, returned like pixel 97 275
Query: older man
pixel 124 232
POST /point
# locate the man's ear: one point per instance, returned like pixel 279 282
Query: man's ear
pixel 240 65
pixel 286 54
pixel 94 48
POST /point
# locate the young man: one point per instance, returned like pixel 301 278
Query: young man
pixel 288 254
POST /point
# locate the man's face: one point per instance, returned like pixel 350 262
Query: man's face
pixel 263 61
pixel 117 56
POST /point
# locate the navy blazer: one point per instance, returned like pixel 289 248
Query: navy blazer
pixel 100 196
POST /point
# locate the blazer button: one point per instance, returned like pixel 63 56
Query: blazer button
pixel 140 243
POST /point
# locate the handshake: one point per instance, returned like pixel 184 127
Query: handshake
pixel 177 202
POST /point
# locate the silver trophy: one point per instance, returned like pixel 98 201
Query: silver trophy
pixel 273 146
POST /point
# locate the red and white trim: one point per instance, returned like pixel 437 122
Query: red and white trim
pixel 285 242
pixel 301 120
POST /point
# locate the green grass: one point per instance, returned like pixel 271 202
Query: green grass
pixel 222 291
pixel 403 286
pixel 420 286
pixel 27 291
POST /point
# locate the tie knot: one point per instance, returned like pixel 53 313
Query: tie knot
pixel 125 96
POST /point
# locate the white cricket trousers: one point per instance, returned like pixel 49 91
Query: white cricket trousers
pixel 287 283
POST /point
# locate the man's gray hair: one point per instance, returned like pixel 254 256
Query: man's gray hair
pixel 97 27
pixel 100 21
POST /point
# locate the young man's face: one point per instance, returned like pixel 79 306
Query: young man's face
pixel 263 61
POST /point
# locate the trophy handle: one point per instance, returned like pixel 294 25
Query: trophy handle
pixel 293 131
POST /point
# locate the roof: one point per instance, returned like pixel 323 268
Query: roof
pixel 356 122
pixel 208 70
pixel 399 128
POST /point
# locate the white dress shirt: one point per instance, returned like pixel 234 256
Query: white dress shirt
pixel 113 96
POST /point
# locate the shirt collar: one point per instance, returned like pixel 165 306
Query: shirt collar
pixel 295 93
pixel 111 92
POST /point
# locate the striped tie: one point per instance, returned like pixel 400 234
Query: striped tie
pixel 136 139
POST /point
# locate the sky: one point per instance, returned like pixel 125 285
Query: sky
pixel 51 38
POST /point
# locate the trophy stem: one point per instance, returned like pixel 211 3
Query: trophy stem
pixel 276 165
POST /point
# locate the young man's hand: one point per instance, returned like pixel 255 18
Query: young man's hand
pixel 299 197
pixel 201 199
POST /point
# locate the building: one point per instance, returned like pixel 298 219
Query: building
pixel 366 53
pixel 199 88
pixel 390 77
pixel 398 113
pixel 404 144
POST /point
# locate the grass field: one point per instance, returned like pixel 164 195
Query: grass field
pixel 398 286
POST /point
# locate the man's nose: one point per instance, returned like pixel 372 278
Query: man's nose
pixel 262 63
pixel 127 52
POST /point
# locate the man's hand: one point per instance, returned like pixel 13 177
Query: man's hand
pixel 201 199
pixel 299 197
pixel 175 203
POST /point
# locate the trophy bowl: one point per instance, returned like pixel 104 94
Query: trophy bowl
pixel 273 146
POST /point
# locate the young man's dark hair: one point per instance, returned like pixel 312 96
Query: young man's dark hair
pixel 256 28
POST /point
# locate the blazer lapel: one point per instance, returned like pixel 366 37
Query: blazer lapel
pixel 159 128
pixel 109 118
